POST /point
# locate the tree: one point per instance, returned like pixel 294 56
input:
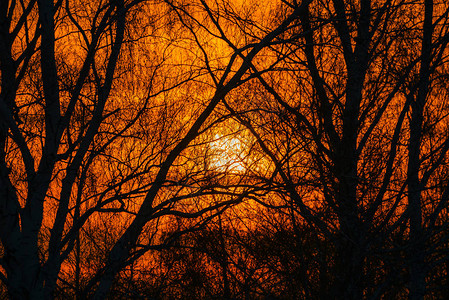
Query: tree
pixel 94 99
pixel 351 122
pixel 117 123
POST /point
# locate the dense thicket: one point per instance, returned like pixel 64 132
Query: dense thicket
pixel 224 149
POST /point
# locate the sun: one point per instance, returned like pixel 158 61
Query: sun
pixel 227 154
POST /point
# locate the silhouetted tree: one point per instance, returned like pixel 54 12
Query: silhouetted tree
pixel 103 110
pixel 351 118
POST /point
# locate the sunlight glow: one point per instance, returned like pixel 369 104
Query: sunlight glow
pixel 227 154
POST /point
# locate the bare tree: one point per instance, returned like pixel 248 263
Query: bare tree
pixel 99 120
pixel 113 117
pixel 343 124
